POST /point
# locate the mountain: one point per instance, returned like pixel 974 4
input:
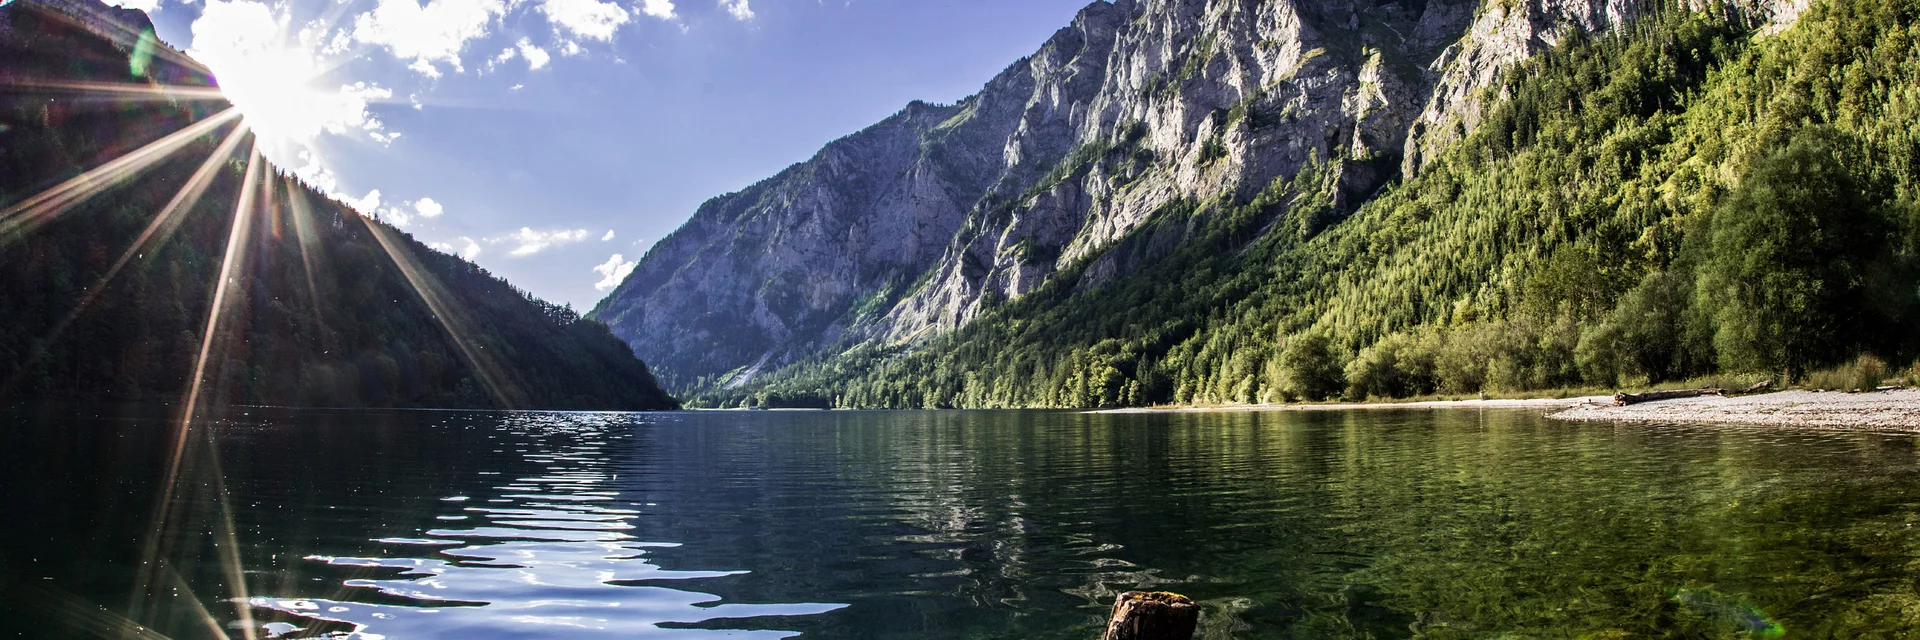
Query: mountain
pixel 125 195
pixel 1237 201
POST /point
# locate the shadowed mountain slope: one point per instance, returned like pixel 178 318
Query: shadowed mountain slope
pixel 109 295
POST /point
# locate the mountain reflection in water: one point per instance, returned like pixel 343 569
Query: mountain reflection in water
pixel 958 525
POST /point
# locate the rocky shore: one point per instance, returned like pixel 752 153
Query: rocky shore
pixel 1516 403
pixel 1831 409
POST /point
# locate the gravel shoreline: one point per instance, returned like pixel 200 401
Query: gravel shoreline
pixel 1517 403
pixel 1830 409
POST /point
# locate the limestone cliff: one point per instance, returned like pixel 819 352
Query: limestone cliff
pixel 910 227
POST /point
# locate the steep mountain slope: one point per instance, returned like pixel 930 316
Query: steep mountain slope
pixel 910 229
pixel 1698 194
pixel 108 296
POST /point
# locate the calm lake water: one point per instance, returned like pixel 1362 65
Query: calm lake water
pixel 1363 524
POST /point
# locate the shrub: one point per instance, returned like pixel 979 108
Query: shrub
pixel 1398 366
pixel 1792 248
pixel 1309 368
pixel 1865 372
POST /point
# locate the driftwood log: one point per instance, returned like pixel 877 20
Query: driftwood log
pixel 1152 615
pixel 1760 386
pixel 1624 399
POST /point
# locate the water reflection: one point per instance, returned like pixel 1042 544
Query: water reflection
pixel 962 525
pixel 548 556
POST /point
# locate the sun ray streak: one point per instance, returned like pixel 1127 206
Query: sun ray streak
pixel 200 610
pixel 157 232
pixel 124 90
pixel 497 379
pixel 229 545
pixel 303 232
pixel 84 617
pixel 154 551
pixel 21 217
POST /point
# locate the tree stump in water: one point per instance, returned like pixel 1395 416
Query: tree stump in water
pixel 1152 615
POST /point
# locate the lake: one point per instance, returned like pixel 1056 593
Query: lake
pixel 1014 524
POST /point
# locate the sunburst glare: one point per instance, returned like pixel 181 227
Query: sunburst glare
pixel 281 78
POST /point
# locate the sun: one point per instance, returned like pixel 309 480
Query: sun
pixel 281 79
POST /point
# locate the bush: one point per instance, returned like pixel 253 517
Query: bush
pixel 1653 333
pixel 1463 359
pixel 1309 368
pixel 1791 251
pixel 1398 366
pixel 1865 372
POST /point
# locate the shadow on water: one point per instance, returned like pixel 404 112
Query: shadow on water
pixel 1369 524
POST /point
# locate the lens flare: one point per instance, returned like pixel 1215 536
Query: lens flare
pixel 1731 611
pixel 126 92
pixel 192 508
pixel 497 378
pixel 158 231
pixel 169 506
pixel 22 217
pixel 303 232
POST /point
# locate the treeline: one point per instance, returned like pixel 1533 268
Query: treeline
pixel 323 312
pixel 1681 199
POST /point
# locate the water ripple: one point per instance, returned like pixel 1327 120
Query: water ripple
pixel 557 563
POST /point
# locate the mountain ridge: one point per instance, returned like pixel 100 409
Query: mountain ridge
pixel 1134 107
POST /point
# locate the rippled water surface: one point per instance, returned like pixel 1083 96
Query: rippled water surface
pixel 1363 524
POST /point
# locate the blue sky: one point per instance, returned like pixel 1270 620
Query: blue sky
pixel 542 138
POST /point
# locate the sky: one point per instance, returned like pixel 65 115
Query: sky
pixel 554 141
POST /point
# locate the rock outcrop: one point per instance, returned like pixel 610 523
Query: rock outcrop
pixel 911 227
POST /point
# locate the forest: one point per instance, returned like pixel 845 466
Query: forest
pixel 1685 198
pixel 109 298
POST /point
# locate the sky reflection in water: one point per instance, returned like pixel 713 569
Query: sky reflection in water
pixel 553 559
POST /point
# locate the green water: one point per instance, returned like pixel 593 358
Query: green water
pixel 1362 524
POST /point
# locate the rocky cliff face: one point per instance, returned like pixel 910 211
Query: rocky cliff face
pixel 911 227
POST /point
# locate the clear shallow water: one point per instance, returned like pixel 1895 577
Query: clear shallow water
pixel 1431 524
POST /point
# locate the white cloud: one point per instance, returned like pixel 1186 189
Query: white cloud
pixel 528 242
pixel 427 208
pixel 506 55
pixel 275 78
pixel 590 19
pixel 662 9
pixel 536 56
pixel 738 9
pixel 516 87
pixel 608 237
pixel 613 272
pixel 469 251
pixel 366 205
pixel 315 174
pixel 338 44
pixel 148 6
pixel 396 216
pixel 434 33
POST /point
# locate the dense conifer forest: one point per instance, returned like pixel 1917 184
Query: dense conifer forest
pixel 329 308
pixel 1686 197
